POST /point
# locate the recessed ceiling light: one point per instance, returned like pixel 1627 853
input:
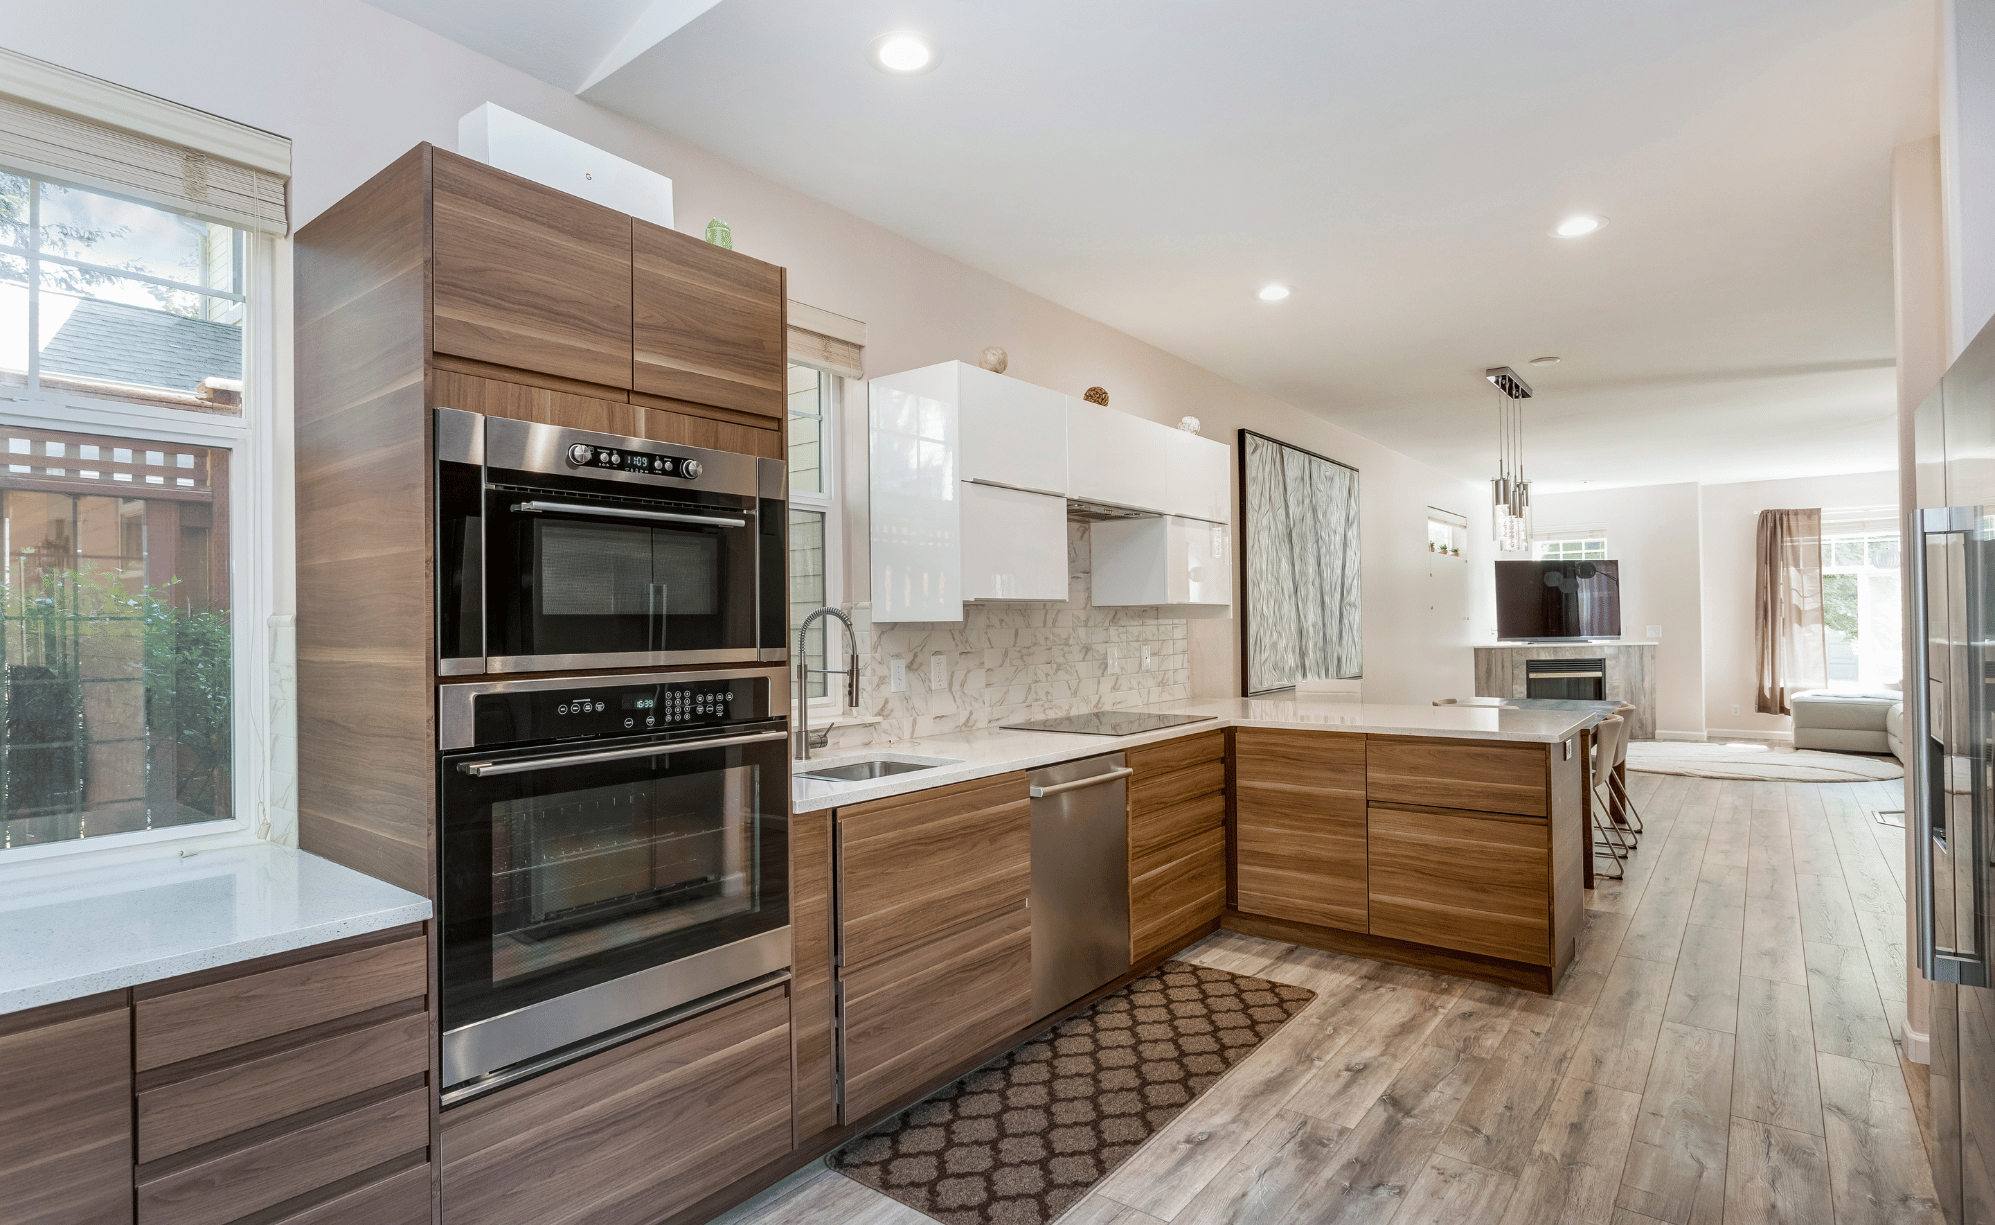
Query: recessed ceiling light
pixel 1544 361
pixel 1579 225
pixel 1273 293
pixel 905 53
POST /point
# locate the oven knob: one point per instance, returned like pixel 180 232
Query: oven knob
pixel 630 722
pixel 690 469
pixel 581 453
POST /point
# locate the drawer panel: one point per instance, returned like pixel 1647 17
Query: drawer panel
pixel 1186 890
pixel 1470 774
pixel 1151 790
pixel 176 1116
pixel 1170 755
pixel 1476 884
pixel 399 1199
pixel 1300 854
pixel 202 1020
pixel 241 1181
pixel 1153 831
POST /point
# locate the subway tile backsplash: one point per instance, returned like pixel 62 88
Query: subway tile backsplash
pixel 1009 662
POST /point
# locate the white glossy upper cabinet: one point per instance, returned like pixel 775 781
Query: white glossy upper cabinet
pixel 1119 459
pixel 1164 560
pixel 1199 480
pixel 917 523
pixel 1013 433
pixel 1014 544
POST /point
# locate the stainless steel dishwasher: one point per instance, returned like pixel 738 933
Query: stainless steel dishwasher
pixel 1080 879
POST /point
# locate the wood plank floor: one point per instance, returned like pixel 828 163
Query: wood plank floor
pixel 1726 1048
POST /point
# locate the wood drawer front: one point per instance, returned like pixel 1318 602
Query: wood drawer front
pixel 1154 831
pixel 205 1019
pixel 1466 774
pixel 211 1104
pixel 1460 881
pixel 526 276
pixel 1149 791
pixel 399 1199
pixel 1185 890
pixel 630 1135
pixel 1328 760
pixel 494 398
pixel 65 1119
pixel 1168 756
pixel 663 425
pixel 913 1017
pixel 913 869
pixel 240 1181
pixel 708 325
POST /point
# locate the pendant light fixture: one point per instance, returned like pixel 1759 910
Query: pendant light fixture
pixel 1510 492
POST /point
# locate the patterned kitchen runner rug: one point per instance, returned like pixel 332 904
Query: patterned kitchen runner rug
pixel 1022 1139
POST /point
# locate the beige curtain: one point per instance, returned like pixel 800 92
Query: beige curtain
pixel 1793 651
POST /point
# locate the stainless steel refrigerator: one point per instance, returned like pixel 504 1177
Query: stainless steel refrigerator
pixel 1950 795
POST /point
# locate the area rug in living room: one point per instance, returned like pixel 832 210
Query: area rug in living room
pixel 1021 1139
pixel 1758 763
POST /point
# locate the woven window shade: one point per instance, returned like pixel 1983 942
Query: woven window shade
pixel 808 348
pixel 121 163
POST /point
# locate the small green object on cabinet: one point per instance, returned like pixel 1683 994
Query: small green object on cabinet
pixel 719 235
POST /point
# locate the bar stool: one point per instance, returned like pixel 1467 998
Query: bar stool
pixel 1620 787
pixel 1606 736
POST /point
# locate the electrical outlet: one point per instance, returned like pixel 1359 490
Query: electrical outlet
pixel 897 674
pixel 938 672
pixel 1735 710
pixel 1655 631
pixel 1146 658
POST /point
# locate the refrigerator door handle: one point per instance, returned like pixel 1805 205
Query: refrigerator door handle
pixel 1949 836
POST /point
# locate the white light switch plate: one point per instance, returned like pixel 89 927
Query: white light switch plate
pixel 938 672
pixel 1146 659
pixel 897 674
pixel 1655 631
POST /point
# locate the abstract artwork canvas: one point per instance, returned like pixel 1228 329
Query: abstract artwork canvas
pixel 1301 604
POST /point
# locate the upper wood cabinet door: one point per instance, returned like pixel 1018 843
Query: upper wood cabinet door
pixel 709 324
pixel 527 276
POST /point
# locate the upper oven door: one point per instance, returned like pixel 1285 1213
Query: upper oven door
pixel 606 552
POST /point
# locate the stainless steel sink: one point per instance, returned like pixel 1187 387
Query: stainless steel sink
pixel 860 771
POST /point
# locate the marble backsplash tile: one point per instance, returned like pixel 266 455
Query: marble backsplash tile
pixel 1008 662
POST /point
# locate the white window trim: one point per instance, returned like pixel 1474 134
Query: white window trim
pixel 830 502
pixel 261 559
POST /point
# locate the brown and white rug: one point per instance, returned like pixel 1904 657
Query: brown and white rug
pixel 1759 763
pixel 1021 1139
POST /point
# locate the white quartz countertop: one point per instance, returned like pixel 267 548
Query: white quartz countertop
pixel 964 756
pixel 99 922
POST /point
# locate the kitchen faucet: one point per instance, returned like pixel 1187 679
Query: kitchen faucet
pixel 805 672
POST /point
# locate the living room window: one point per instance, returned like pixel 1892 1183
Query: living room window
pixel 1576 548
pixel 1861 610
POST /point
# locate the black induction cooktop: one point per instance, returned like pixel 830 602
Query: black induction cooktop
pixel 1107 723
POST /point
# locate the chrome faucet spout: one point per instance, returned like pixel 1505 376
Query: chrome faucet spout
pixel 805 672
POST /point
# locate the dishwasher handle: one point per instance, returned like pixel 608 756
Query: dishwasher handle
pixel 1040 793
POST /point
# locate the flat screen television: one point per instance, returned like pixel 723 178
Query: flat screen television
pixel 1540 600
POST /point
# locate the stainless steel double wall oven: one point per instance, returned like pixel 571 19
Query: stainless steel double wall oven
pixel 614 847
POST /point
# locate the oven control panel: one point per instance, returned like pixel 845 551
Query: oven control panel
pixel 619 710
pixel 645 463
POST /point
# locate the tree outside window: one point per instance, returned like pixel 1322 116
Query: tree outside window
pixel 1861 610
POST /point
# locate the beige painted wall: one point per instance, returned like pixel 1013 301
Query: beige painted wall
pixel 1730 521
pixel 1652 530
pixel 354 87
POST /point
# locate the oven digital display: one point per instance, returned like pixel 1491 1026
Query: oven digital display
pixel 632 701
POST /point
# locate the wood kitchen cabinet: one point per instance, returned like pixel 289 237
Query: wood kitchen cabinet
pixel 1177 843
pixel 66 1113
pixel 708 325
pixel 1497 896
pixel 633 1134
pixel 524 275
pixel 935 938
pixel 1299 819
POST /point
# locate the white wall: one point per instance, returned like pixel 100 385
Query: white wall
pixel 1652 530
pixel 1731 519
pixel 354 88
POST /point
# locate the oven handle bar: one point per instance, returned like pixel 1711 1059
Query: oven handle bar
pixel 481 769
pixel 621 512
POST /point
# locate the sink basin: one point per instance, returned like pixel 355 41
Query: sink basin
pixel 860 771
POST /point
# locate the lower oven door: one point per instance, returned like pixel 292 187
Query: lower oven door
pixel 585 889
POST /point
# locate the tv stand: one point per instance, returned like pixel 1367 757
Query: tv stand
pixel 1501 672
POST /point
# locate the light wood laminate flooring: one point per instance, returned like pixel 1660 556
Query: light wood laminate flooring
pixel 1724 1049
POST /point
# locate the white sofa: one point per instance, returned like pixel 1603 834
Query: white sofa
pixel 1845 722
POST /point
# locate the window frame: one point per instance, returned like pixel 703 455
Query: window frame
pixel 1539 545
pixel 259 439
pixel 827 500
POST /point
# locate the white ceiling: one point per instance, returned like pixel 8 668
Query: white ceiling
pixel 1150 163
